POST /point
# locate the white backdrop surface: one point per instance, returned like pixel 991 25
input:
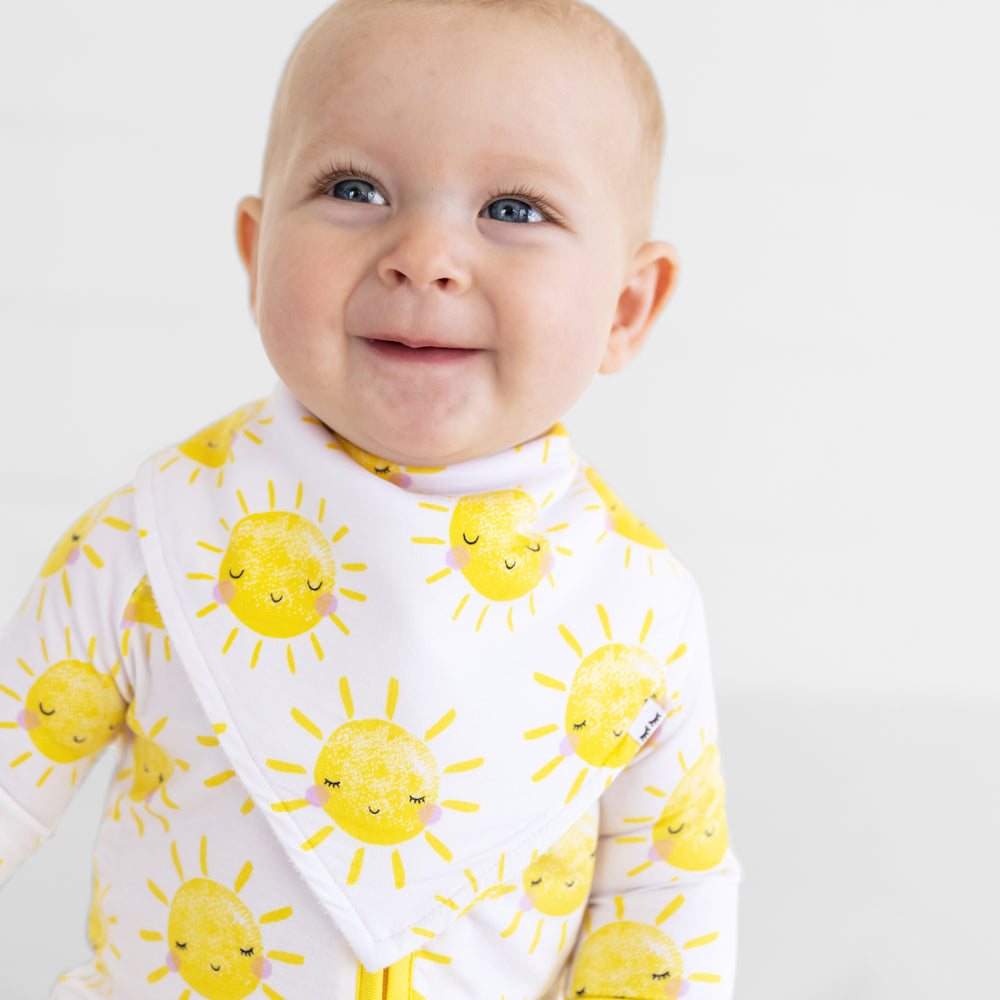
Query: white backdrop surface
pixel 812 427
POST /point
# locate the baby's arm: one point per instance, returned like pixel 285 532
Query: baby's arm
pixel 64 681
pixel 661 921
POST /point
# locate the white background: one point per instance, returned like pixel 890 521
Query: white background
pixel 813 427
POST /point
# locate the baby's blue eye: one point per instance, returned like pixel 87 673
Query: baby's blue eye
pixel 355 189
pixel 512 210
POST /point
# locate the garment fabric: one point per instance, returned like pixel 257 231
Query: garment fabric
pixel 458 722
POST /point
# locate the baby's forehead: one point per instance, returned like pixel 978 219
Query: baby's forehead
pixel 351 28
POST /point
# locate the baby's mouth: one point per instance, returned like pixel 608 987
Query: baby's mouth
pixel 416 351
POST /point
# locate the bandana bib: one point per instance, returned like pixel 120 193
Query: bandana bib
pixel 417 674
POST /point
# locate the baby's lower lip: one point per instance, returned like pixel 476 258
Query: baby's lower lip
pixel 422 355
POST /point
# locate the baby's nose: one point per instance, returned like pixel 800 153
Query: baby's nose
pixel 427 252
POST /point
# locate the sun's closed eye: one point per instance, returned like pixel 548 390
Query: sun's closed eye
pixel 579 725
pixel 247 951
pixel 676 830
pixel 181 944
pixel 331 784
pixel 661 975
pixel 41 709
pixel 236 576
pixel 317 587
pixel 418 799
pixel 469 541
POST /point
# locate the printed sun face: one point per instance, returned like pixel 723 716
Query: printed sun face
pixel 691 831
pixel 557 882
pixel 212 447
pixel 491 544
pixel 620 520
pixel 633 960
pixel 152 767
pixel 377 781
pixel 609 691
pixel 214 942
pixel 278 576
pixel 70 711
pixel 69 548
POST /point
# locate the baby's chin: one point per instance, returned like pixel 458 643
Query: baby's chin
pixel 424 444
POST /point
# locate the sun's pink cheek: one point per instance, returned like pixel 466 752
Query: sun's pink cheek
pixel 28 719
pixel 225 591
pixel 661 849
pixel 261 967
pixel 429 813
pixel 326 604
pixel 546 562
pixel 458 557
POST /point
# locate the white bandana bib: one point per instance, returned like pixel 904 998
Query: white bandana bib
pixel 414 672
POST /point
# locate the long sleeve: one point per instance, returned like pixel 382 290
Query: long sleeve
pixel 661 920
pixel 64 681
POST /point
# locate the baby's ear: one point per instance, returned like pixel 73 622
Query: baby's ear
pixel 646 291
pixel 247 235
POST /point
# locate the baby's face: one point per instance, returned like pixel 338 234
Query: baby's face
pixel 437 261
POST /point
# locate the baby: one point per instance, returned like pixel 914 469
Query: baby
pixel 407 702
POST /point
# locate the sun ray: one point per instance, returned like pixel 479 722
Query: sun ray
pixel 441 849
pixel 676 654
pixel 218 779
pixel 440 726
pixel 537 938
pixel 669 910
pixel 345 697
pixel 356 864
pixel 203 856
pixel 274 915
pixel 534 734
pixel 307 724
pixel 466 807
pixel 605 622
pixel 577 784
pixel 157 892
pixel 317 838
pixel 241 880
pixel 391 698
pixel 464 765
pixel 550 682
pixel 570 641
pixel 399 876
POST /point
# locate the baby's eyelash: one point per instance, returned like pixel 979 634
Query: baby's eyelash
pixel 531 196
pixel 325 179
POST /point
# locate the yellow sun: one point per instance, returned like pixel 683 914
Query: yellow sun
pixel 491 544
pixel 610 688
pixel 278 576
pixel 634 960
pixel 377 781
pixel 212 447
pixel 71 710
pixel 68 550
pixel 691 831
pixel 152 767
pixel 214 941
pixel 557 883
pixel 621 521
pixel 142 610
